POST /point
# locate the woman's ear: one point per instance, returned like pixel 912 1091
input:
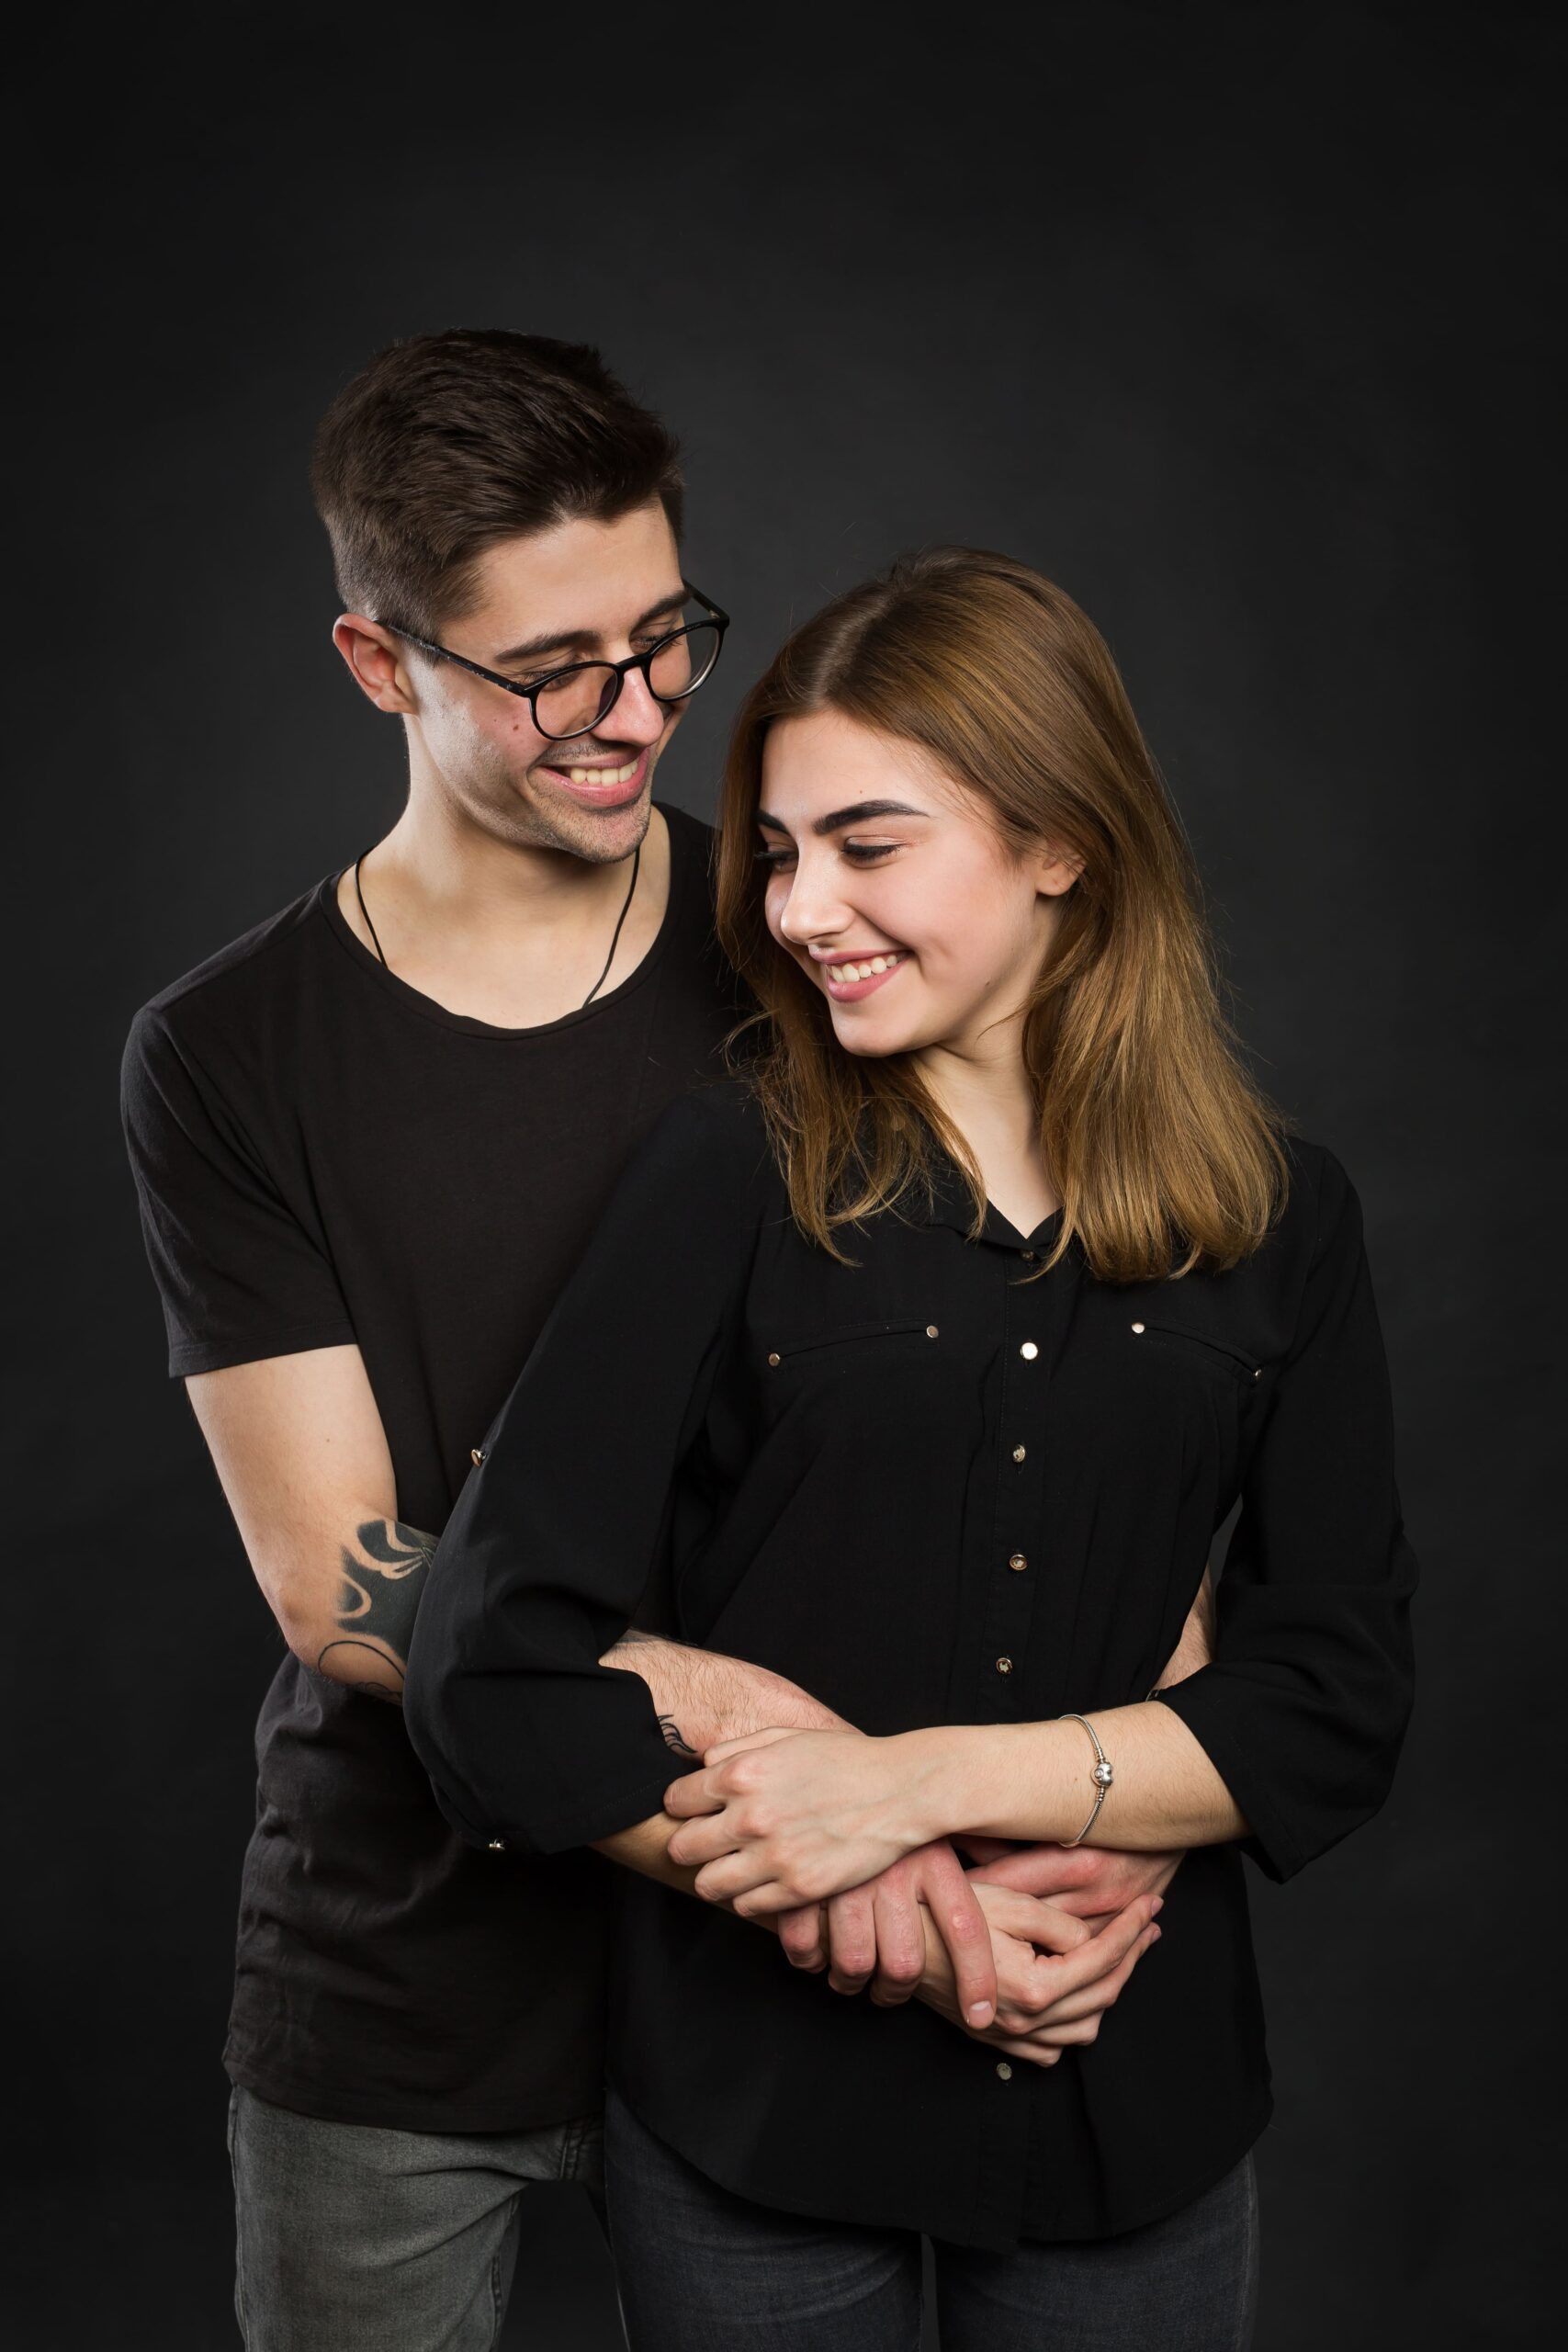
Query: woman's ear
pixel 1055 871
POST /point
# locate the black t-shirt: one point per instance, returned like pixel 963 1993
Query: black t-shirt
pixel 326 1156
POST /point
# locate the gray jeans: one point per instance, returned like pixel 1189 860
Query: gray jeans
pixel 353 2238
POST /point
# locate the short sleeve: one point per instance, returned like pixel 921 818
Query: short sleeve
pixel 1305 1706
pixel 527 1738
pixel 240 1276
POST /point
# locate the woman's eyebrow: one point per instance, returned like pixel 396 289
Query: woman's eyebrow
pixel 862 811
pixel 858 815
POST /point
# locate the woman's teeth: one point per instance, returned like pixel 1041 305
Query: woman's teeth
pixel 602 775
pixel 844 973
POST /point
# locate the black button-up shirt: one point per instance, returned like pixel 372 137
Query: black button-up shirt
pixel 929 1488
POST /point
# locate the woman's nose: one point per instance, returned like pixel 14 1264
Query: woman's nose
pixel 814 909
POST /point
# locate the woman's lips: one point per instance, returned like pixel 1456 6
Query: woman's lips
pixel 618 790
pixel 854 991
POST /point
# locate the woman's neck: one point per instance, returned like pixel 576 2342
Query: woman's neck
pixel 989 1100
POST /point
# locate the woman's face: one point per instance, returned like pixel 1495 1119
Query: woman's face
pixel 889 886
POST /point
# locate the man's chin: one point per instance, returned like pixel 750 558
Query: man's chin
pixel 602 835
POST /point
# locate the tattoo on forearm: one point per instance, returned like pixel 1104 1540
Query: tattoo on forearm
pixel 382 1580
pixel 672 1737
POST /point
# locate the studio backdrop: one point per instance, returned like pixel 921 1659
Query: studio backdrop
pixel 1234 321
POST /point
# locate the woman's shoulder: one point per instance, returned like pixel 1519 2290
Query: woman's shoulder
pixel 714 1134
pixel 1322 1211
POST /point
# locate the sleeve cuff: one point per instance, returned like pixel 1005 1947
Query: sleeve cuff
pixel 1200 1700
pixel 601 1817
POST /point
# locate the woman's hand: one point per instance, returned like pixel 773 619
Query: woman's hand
pixel 791 1817
pixel 1055 1980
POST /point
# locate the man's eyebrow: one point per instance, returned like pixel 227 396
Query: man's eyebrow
pixel 584 640
pixel 858 814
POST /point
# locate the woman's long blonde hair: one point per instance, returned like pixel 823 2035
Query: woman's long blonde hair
pixel 1164 1154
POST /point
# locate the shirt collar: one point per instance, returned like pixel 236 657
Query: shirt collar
pixel 951 1204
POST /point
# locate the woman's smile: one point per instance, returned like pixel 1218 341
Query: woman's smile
pixel 849 978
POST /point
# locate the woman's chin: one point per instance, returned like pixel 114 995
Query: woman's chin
pixel 873 1040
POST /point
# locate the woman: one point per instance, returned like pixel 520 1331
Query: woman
pixel 929 1355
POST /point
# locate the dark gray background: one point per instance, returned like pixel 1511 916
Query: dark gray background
pixel 1235 319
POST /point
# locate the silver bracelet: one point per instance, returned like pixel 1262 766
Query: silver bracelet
pixel 1103 1775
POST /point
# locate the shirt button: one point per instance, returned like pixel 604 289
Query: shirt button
pixel 1004 1666
pixel 475 1457
pixel 931 1330
pixel 1004 2072
pixel 1018 1561
pixel 1019 1452
pixel 1029 1257
pixel 1028 1352
pixel 498 1845
pixel 774 1362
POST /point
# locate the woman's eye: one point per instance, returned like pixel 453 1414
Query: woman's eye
pixel 867 852
pixel 774 861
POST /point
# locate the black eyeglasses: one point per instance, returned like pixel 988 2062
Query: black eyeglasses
pixel 574 701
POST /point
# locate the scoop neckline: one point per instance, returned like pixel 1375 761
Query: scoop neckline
pixel 415 1000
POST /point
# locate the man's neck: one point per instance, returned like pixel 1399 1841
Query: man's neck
pixel 515 936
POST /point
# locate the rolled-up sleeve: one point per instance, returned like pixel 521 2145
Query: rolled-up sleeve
pixel 528 1740
pixel 1304 1709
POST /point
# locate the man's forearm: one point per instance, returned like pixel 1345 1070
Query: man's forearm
pixel 642 1848
pixel 703 1698
pixel 382 1577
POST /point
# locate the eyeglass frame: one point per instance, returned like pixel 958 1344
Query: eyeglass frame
pixel 716 618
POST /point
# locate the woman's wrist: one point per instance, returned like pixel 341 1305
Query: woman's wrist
pixel 997 1780
pixel 951 1773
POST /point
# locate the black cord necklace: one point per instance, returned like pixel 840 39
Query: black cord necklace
pixel 615 936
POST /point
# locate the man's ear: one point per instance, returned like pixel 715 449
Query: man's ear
pixel 374 661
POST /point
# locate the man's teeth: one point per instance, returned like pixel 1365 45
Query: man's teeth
pixel 602 775
pixel 844 973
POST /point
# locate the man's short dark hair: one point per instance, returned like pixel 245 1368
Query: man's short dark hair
pixel 446 443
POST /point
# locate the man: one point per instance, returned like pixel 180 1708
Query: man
pixel 371 1138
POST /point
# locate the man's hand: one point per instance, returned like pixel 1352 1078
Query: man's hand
pixel 879 1934
pixel 1085 1882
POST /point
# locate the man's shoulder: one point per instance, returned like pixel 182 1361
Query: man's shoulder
pixel 269 956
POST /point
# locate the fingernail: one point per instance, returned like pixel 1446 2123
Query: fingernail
pixel 982 2013
pixel 1158 1906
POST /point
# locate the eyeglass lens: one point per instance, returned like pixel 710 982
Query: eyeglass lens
pixel 571 705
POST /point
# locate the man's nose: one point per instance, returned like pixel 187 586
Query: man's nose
pixel 636 717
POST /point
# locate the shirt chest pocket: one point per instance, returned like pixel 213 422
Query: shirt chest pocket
pixel 1220 1358
pixel 846 1352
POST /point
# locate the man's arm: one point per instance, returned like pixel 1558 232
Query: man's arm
pixel 704 1698
pixel 302 1457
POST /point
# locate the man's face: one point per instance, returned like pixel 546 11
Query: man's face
pixel 580 592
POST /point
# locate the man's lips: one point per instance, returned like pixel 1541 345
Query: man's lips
pixel 843 978
pixel 600 784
